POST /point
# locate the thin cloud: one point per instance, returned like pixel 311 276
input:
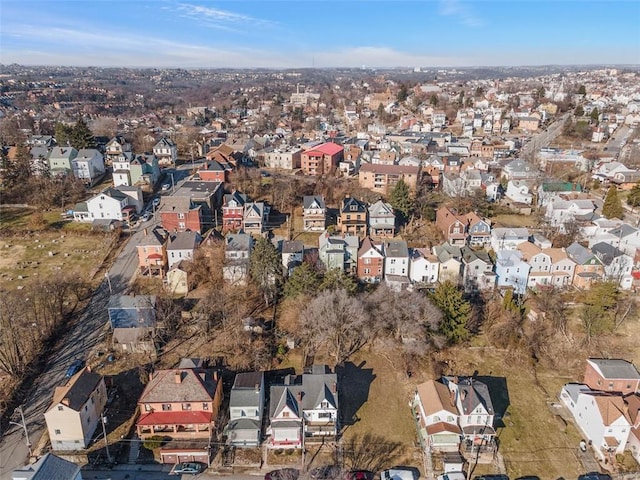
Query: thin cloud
pixel 460 11
pixel 219 19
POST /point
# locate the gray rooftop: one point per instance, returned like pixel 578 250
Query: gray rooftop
pixel 127 311
pixel 615 368
pixel 77 391
pixel 396 249
pixel 309 200
pixel 48 467
pixel 184 241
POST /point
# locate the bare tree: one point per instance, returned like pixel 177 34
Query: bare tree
pixel 337 321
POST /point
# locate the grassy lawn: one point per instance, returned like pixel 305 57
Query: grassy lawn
pixel 513 220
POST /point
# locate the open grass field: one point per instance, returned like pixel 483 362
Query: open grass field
pixel 50 250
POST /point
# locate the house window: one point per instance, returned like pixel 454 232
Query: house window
pixel 324 404
pixel 166 407
pixel 181 215
pixel 186 406
pixel 324 415
pixel 60 408
pixel 57 432
pixel 147 407
pixel 205 406
pixel 285 414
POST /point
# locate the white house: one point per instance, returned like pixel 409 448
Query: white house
pixel 450 259
pixel 423 266
pixel 75 412
pixel 505 238
pixel 511 270
pixel 107 205
pixel 166 151
pixel 237 252
pixel 617 264
pixel 88 165
pixel 518 191
pixel 396 262
pixel 475 408
pixel 601 416
pixel 246 405
pixel 437 416
pixel 182 246
pixel 382 220
pixel 560 211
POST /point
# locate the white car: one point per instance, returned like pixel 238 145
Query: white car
pixel 398 473
pixel 166 186
pixel 452 476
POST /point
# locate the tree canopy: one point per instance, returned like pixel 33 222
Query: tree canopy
pixel 266 268
pixel 612 207
pixel 633 199
pixel 400 199
pixel 303 280
pixel 455 309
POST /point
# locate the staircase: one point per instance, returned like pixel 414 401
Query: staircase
pixel 134 449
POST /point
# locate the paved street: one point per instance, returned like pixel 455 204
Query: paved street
pixel 137 475
pixel 543 139
pixel 83 335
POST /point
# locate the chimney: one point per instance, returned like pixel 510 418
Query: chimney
pixel 334 388
pixel 257 387
pixel 203 376
pixel 299 396
pixel 146 232
pixel 65 401
pixel 177 376
pixel 215 375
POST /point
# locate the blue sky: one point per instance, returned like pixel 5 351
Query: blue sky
pixel 320 33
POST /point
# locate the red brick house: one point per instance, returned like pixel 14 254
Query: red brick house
pixel 611 375
pixel 453 229
pixel 213 171
pixel 233 211
pixel 180 214
pixel 152 252
pixel 370 262
pixel 322 160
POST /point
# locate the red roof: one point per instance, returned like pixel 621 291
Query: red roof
pixel 154 256
pixel 174 418
pixel 327 149
pixel 390 169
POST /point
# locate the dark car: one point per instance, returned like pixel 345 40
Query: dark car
pixel 529 477
pixel 594 476
pixel 74 368
pixel 497 476
pixel 326 472
pixel 359 475
pixel 283 474
pixel 186 468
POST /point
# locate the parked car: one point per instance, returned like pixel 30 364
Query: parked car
pixel 326 472
pixel 264 174
pixel 529 477
pixel 283 474
pixel 156 201
pixel 146 216
pixel 166 186
pixel 497 476
pixel 400 473
pixel 187 468
pixel 359 475
pixel 452 476
pixel 74 368
pixel 594 476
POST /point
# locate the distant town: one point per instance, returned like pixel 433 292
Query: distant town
pixel 320 273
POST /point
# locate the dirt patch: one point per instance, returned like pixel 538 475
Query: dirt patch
pixel 10 255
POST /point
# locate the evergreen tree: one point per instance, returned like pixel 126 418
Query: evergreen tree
pixel 598 311
pixel 612 207
pixel 266 268
pixel 303 280
pixel 18 171
pixel 582 90
pixel 81 136
pixel 336 279
pixel 62 134
pixel 403 93
pixel 633 200
pixel 579 111
pixel 595 115
pixel 400 199
pixel 455 309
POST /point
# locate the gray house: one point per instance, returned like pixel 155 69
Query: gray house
pixel 48 467
pixel 133 319
pixel 245 410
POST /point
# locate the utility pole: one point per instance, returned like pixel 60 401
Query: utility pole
pixel 103 420
pixel 23 424
pixel 106 275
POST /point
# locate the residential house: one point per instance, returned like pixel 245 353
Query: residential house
pixel 632 403
pixel 255 217
pixel 208 195
pixel 183 404
pixel 177 279
pixel 129 169
pixel 283 157
pixel 134 324
pixel 549 190
pixel 617 265
pixel 519 169
pixel 450 258
pixel 453 184
pixel 237 253
pixel 180 214
pixel 314 213
pixel 115 148
pixel 370 262
pixel 506 238
pixel 519 191
pixel 88 166
pixel 60 159
pixel 75 411
pixel 233 211
pixel 111 204
pixel 559 211
pixel 626 180
pixel 321 159
pixel 382 220
pixel 305 405
pixel 182 246
pixel 437 417
pixel 48 467
pixel 212 171
pixel 166 151
pixel 588 268
pixel 292 252
pixel 152 252
pixel 477 270
pixel 339 251
pixel 383 178
pixel 396 263
pixel 478 230
pixel 529 124
pixel 452 227
pixel 612 375
pixel 39 161
pixel 44 141
pixel 246 405
pixel 423 266
pixel 601 416
pixel 512 271
pixel 353 217
pixel 475 409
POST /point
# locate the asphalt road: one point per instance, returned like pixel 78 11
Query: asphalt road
pixel 87 332
pixel 544 138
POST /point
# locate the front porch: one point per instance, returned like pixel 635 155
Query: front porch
pixel 175 425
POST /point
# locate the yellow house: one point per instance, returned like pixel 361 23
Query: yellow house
pixel 76 409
